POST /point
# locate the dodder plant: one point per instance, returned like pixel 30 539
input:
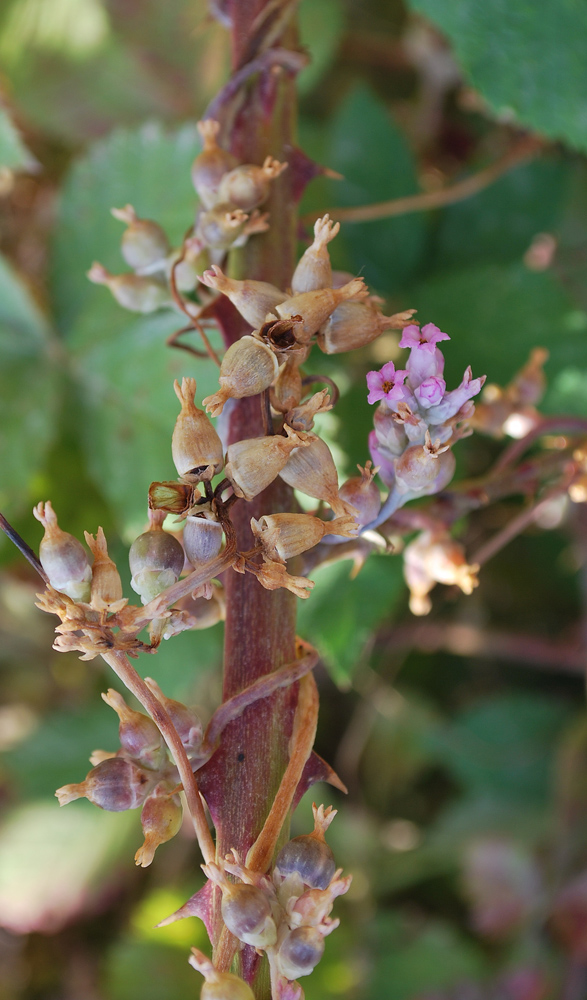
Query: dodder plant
pixel 247 544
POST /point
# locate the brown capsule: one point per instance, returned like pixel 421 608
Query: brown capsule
pixel 315 307
pixel 283 536
pixel 254 463
pixel 161 818
pixel 135 292
pixel 219 985
pixel 314 269
pixel 312 471
pixel 274 576
pixel 247 186
pixel 210 166
pixel 247 368
pixel 116 784
pixel 195 445
pixel 172 497
pixel 300 951
pixel 221 226
pixel 106 593
pixel 301 417
pixel 355 324
pixel 253 299
pixel 287 389
pixel 202 539
pixel 63 557
pixel 363 494
pixel 139 736
pixel 144 243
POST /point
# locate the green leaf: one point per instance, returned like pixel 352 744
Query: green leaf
pixel 321 25
pixel 13 153
pixel 341 613
pixel 528 63
pixel 28 390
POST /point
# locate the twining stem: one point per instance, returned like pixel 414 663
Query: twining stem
pixel 136 685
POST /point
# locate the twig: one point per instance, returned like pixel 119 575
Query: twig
pixel 549 425
pixel 323 380
pixel 526 149
pixel 135 683
pixel 182 305
pixel 23 548
pixel 173 341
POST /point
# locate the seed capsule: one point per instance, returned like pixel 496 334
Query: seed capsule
pixel 220 226
pixel 106 592
pixel 254 463
pixel 195 445
pixel 300 952
pixel 435 558
pixel 115 785
pixel 287 389
pixel 383 459
pixel 172 497
pixel 211 164
pixel 202 539
pixel 156 559
pixel 389 430
pixel 363 494
pixel 144 243
pixel 135 292
pixel 246 910
pixel 301 418
pixel 314 269
pixel 355 324
pixel 63 557
pixel 418 467
pixel 185 721
pixel 283 536
pixel 312 470
pixel 253 299
pixel 310 855
pixel 315 307
pixel 186 272
pixel 219 985
pixel 247 186
pixel 139 736
pixel 247 368
pixel 161 819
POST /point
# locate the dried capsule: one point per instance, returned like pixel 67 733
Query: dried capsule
pixel 106 590
pixel 211 164
pixel 310 855
pixel 253 299
pixel 139 736
pixel 202 539
pixel 314 269
pixel 245 909
pixel 252 464
pixel 195 445
pixel 136 292
pixel 301 417
pixel 161 818
pixel 286 391
pixel 312 470
pixel 247 368
pixel 355 324
pixel 283 536
pixel 300 951
pixel 144 243
pixel 247 186
pixel 315 307
pixel 115 784
pixel 173 497
pixel 63 557
pixel 156 559
pixel 219 985
pixel 220 226
pixel 363 494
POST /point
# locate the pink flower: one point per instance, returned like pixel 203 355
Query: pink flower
pixel 430 391
pixel 386 384
pixel 425 338
pixel 453 401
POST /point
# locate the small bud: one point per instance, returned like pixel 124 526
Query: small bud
pixel 211 164
pixel 135 292
pixel 202 539
pixel 417 468
pixel 355 324
pixel 300 952
pixel 363 494
pixel 106 593
pixel 310 855
pixel 139 736
pixel 144 243
pixel 156 559
pixel 247 186
pixel 254 463
pixel 63 557
pixel 315 307
pixel 115 785
pixel 195 445
pixel 246 910
pixel 185 721
pixel 312 470
pixel 221 226
pixel 314 269
pixel 219 985
pixel 283 536
pixel 389 430
pixel 161 819
pixel 253 299
pixel 287 389
pixel 247 368
pixel 301 418
pixel 383 459
pixel 172 497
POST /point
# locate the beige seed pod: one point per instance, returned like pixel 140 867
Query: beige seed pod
pixel 253 299
pixel 254 463
pixel 135 292
pixel 210 166
pixel 247 368
pixel 273 576
pixel 63 557
pixel 219 985
pixel 354 324
pixel 283 536
pixel 287 390
pixel 195 445
pixel 312 471
pixel 301 418
pixel 314 269
pixel 315 307
pixel 106 583
pixel 220 226
pixel 248 186
pixel 144 243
